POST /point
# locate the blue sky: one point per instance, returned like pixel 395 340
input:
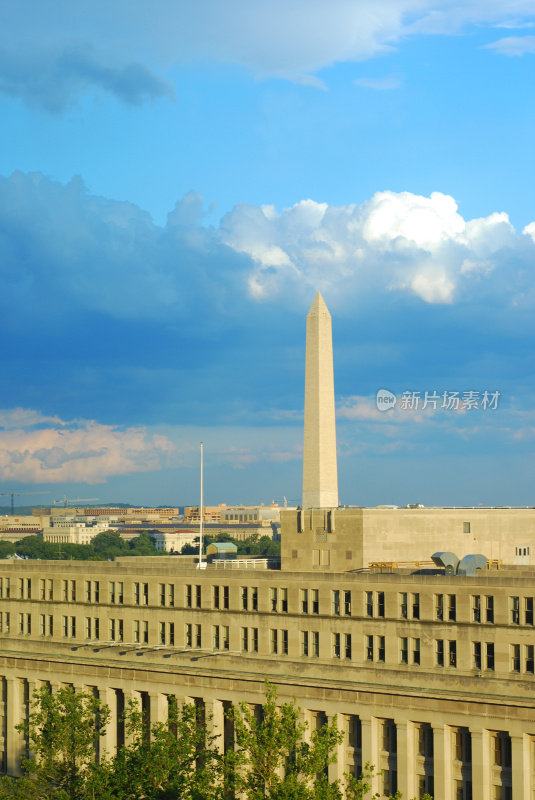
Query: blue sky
pixel 176 182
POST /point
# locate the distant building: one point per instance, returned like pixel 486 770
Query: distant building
pixel 71 531
pixel 258 515
pixel 210 513
pixel 173 541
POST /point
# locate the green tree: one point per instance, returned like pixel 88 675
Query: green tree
pixel 109 544
pixel 277 757
pixel 62 729
pixel 6 549
pixel 19 789
pixel 175 760
pixel 142 545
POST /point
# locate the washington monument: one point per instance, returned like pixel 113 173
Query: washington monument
pixel 320 474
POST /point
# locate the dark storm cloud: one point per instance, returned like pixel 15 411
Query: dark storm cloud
pixel 52 80
pixel 105 314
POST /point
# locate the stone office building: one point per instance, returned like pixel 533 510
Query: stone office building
pixel 431 676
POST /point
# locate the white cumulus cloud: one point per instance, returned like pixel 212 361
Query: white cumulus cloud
pixel 398 241
pixel 41 449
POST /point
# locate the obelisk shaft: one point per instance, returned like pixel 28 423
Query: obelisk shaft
pixel 320 474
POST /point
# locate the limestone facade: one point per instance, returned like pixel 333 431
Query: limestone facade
pixel 431 677
pixel 342 539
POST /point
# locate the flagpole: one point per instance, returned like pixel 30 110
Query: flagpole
pixel 201 514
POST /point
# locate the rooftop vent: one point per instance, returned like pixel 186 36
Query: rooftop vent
pixel 448 561
pixel 452 566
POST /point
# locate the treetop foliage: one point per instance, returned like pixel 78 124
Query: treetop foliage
pixel 272 754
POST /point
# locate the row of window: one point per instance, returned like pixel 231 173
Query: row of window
pixel 522 657
pixel 521 610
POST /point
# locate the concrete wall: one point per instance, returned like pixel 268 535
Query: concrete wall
pixel 357 537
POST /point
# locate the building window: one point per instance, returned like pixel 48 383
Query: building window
pixel 404 650
pixel 440 652
pixel 245 639
pixel 244 597
pixel 466 527
pixel 416 606
pixel 416 651
pixel 463 745
pixel 529 658
pixel 315 601
pixel 336 645
pixel 347 646
pixel 476 608
pixel 274 599
pixel 375 604
pixel 335 602
pixel 425 740
pixel 69 626
pixel 489 608
pixel 477 655
pixel 46 589
pixel 315 644
pixel 403 606
pixel 69 591
pixel 188 634
pixel 528 610
pixel 375 648
pixel 226 598
pixel 452 607
pixel 502 750
pixel 515 610
pixel 515 658
pixel 304 643
pixel 380 604
pixel 284 600
pixel 452 653
pixel 216 596
pixel 490 656
pixel 381 648
pixel 141 594
pixel 439 607
pixel 116 630
pixel 369 604
pixel 188 595
pixel 274 638
pixel 198 638
pixel 303 594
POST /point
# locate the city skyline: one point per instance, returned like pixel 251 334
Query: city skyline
pixel 176 185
